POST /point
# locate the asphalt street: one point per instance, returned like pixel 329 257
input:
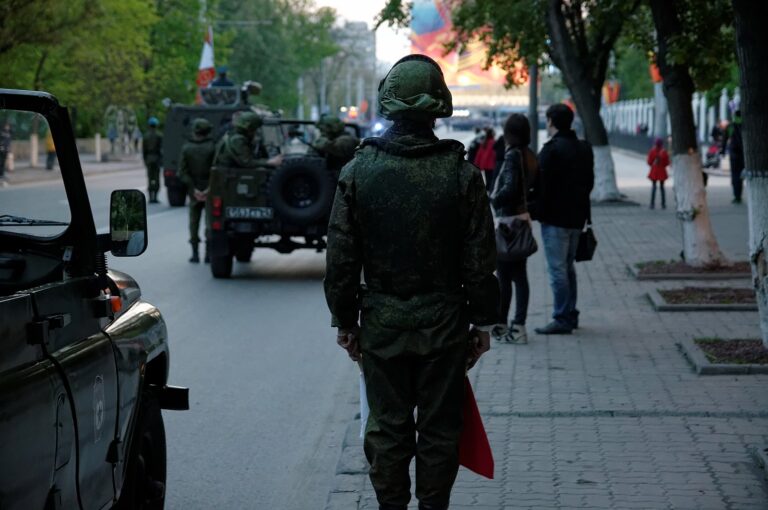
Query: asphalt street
pixel 269 388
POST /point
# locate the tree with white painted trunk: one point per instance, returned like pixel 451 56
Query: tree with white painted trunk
pixel 679 35
pixel 752 52
pixel 577 36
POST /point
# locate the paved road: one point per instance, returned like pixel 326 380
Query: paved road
pixel 270 391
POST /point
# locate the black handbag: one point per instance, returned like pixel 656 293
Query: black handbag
pixel 514 240
pixel 587 242
pixel 514 237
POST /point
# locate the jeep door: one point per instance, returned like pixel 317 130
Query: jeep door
pixel 37 437
pixel 86 357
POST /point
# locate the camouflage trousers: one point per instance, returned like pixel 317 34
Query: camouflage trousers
pixel 153 177
pixel 196 211
pixel 422 369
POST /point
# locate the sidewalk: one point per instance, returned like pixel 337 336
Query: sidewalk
pixel 23 173
pixel 612 416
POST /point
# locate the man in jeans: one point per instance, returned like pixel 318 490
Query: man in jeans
pixel 562 206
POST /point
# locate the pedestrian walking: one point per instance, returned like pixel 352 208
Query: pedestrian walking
pixel 153 157
pixel 475 144
pixel 195 164
pixel 112 135
pixel 50 151
pixel 658 159
pixel 136 135
pixel 5 150
pixel 566 177
pixel 414 216
pixel 510 201
pixel 733 141
pixel 485 159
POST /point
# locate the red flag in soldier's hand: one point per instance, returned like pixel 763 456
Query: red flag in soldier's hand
pixel 474 450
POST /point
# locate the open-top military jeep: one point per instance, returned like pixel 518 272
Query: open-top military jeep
pixel 83 358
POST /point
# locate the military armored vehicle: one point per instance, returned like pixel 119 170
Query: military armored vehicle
pixel 284 208
pixel 218 106
pixel 83 357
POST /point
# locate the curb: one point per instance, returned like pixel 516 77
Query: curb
pixel 661 305
pixel 351 471
pixel 634 271
pixel 761 457
pixel 703 366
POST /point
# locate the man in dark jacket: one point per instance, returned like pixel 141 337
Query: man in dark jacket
pixel 413 215
pixel 733 142
pixel 566 177
pixel 194 171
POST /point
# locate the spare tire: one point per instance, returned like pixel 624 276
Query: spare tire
pixel 301 190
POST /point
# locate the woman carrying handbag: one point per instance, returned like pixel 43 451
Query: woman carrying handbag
pixel 514 239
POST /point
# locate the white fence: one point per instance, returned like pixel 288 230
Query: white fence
pixel 638 116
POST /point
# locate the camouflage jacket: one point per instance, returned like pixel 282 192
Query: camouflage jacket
pixel 337 151
pixel 236 151
pixel 414 217
pixel 152 147
pixel 195 163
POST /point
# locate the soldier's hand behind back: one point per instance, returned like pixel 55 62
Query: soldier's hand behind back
pixel 348 339
pixel 479 344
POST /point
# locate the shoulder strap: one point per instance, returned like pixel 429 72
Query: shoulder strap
pixel 524 177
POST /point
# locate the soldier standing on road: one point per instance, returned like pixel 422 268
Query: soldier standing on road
pixel 194 171
pixel 335 144
pixel 237 148
pixel 414 216
pixel 153 155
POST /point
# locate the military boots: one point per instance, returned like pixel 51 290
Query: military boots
pixel 195 258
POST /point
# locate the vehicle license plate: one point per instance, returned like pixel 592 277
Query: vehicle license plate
pixel 250 213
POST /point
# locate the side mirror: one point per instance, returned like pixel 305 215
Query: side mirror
pixel 128 223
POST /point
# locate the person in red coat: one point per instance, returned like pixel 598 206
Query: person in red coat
pixel 658 158
pixel 485 158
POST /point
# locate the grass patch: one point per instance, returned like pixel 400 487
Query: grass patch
pixel 738 351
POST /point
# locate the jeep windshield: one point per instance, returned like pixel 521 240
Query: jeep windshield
pixel 33 201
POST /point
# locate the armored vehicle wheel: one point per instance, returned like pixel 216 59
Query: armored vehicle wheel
pixel 301 190
pixel 221 267
pixel 177 196
pixel 144 486
pixel 244 254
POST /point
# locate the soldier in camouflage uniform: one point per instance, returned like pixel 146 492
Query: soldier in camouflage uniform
pixel 152 148
pixel 194 171
pixel 237 149
pixel 335 144
pixel 413 215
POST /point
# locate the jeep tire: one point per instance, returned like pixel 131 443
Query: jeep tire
pixel 144 484
pixel 301 190
pixel 176 196
pixel 221 266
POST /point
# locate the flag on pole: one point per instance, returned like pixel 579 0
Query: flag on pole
pixel 474 450
pixel 206 71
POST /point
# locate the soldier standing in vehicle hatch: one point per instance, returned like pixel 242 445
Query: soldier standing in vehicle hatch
pixel 153 154
pixel 414 216
pixel 236 149
pixel 335 144
pixel 194 170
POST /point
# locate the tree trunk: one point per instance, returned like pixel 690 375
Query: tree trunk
pixel 700 247
pixel 752 51
pixel 586 96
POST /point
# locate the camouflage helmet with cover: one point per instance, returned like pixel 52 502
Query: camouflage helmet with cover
pixel 201 128
pixel 330 126
pixel 414 89
pixel 247 123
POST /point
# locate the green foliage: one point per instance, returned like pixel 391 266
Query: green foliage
pixel 284 39
pixel 632 70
